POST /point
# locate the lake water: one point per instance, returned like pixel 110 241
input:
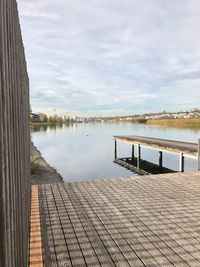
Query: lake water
pixel 86 151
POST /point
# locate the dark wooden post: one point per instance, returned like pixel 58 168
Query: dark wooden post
pixel 181 164
pixel 115 149
pixel 198 155
pixel 160 159
pixel 133 153
pixel 138 156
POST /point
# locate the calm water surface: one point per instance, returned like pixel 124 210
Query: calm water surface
pixel 86 151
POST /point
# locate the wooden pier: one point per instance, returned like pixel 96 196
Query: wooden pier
pixel 139 221
pixel 184 149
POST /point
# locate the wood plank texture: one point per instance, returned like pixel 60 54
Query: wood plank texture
pixel 35 247
pixel 14 141
pixel 189 149
pixel 138 221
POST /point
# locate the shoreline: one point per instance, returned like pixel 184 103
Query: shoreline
pixel 45 174
pixel 176 123
pixel 171 122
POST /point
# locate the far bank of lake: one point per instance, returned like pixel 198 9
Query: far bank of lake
pixel 177 123
pixel 169 122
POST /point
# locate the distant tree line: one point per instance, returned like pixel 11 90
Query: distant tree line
pixel 55 119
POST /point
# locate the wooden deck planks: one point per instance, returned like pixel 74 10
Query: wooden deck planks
pixel 138 221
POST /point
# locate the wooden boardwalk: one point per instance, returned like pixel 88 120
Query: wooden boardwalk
pixel 184 149
pixel 190 149
pixel 139 221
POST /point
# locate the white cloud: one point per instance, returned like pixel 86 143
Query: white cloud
pixel 100 55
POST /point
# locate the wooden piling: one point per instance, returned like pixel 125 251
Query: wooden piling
pixel 133 153
pixel 160 159
pixel 138 156
pixel 115 149
pixel 181 162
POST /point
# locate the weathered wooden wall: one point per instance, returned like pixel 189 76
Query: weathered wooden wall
pixel 14 141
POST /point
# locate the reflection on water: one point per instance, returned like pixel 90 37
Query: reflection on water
pixel 86 151
pixel 39 128
pixel 44 127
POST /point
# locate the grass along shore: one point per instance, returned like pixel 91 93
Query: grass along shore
pixel 180 123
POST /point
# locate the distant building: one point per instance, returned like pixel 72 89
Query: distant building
pixel 34 117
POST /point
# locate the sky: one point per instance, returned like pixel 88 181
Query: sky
pixel 112 57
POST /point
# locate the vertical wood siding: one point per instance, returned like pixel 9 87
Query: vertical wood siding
pixel 14 141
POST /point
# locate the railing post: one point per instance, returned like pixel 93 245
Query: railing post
pixel 160 159
pixel 181 163
pixel 198 158
pixel 138 156
pixel 133 153
pixel 115 149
